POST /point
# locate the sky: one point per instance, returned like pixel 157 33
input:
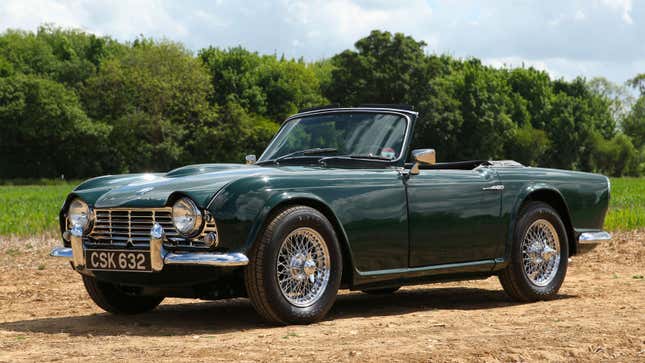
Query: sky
pixel 567 38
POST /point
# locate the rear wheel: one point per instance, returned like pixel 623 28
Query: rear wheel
pixel 539 255
pixel 295 267
pixel 115 300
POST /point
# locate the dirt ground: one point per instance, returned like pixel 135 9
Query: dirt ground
pixel 45 315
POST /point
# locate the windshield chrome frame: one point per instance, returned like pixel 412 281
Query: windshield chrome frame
pixel 405 114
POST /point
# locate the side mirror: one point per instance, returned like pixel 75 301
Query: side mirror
pixel 250 159
pixel 422 156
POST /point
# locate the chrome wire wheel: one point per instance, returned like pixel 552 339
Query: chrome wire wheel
pixel 303 267
pixel 541 252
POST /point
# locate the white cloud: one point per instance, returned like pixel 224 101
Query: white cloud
pixel 623 6
pixel 119 19
pixel 567 37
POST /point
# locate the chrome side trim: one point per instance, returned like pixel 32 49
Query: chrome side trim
pixel 494 187
pixel 594 236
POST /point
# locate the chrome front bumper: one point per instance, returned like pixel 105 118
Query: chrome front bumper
pixel 159 256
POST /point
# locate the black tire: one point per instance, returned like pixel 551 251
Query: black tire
pixel 513 278
pixel 382 291
pixel 112 299
pixel 261 273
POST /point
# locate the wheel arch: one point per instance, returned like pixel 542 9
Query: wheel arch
pixel 551 196
pixel 282 202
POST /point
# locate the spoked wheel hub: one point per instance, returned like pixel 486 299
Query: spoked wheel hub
pixel 541 252
pixel 303 267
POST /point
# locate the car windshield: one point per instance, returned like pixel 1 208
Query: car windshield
pixel 340 134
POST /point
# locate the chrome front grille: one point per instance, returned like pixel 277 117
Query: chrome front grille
pixel 132 227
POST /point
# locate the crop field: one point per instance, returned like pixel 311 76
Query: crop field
pixel 29 210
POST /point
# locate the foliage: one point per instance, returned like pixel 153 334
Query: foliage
pixel 634 123
pixel 384 69
pixel 528 145
pixel 78 104
pixel 261 84
pixel 232 135
pixel 638 82
pixel 619 97
pixel 155 96
pixel 616 156
pixel 44 131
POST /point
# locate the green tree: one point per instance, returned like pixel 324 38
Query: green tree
pixel 638 82
pixel 156 96
pixel 616 156
pixel 262 85
pixel 535 89
pixel 618 96
pixel 68 56
pixel 45 133
pixel 153 105
pixel 634 123
pixel 231 135
pixel 528 145
pixel 384 69
pixel 484 106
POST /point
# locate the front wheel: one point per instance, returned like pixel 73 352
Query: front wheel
pixel 539 255
pixel 115 300
pixel 295 267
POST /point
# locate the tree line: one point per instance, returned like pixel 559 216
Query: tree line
pixel 78 104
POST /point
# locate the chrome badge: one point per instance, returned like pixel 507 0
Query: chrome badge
pixel 144 190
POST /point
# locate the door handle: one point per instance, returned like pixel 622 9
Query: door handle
pixel 494 187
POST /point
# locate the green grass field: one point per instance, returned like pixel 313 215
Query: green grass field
pixel 33 209
pixel 627 205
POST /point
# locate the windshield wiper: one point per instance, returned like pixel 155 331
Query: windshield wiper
pixel 314 151
pixel 369 156
pixel 355 157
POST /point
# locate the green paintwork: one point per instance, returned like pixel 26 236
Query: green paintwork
pixel 452 219
pixel 395 227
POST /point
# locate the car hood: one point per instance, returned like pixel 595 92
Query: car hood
pixel 152 190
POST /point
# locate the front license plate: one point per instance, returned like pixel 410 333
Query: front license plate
pixel 118 260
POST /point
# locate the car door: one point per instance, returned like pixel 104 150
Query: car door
pixel 454 216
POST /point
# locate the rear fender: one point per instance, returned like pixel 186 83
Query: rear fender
pixel 525 195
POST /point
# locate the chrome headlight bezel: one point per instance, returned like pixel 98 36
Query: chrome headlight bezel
pixel 187 218
pixel 80 214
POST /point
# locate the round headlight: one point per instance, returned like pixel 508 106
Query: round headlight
pixel 186 217
pixel 79 214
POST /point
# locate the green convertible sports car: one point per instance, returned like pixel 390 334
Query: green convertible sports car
pixel 337 200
